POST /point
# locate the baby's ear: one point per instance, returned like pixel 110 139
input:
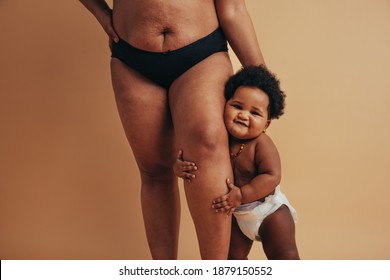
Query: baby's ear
pixel 267 125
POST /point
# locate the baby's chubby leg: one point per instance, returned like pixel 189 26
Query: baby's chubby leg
pixel 277 234
pixel 240 245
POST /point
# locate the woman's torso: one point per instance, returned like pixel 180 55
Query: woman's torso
pixel 162 25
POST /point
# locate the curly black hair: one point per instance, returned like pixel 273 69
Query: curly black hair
pixel 262 78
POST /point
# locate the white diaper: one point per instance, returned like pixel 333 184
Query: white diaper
pixel 249 216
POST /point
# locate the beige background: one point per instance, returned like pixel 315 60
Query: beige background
pixel 69 187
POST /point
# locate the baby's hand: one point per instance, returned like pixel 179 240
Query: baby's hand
pixel 183 169
pixel 230 201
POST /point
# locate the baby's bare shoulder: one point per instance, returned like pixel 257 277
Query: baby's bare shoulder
pixel 263 140
pixel 265 147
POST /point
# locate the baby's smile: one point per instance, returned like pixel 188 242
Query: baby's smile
pixel 241 122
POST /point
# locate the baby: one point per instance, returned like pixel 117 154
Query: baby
pixel 260 210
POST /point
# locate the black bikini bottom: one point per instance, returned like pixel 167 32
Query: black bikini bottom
pixel 164 68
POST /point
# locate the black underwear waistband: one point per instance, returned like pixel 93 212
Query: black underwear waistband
pixel 165 67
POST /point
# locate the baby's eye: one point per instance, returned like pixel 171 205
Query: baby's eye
pixel 236 106
pixel 256 113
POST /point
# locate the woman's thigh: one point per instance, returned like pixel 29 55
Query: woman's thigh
pixel 197 104
pixel 197 101
pixel 144 112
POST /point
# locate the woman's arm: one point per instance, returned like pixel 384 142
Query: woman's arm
pixel 240 33
pixel 103 13
pixel 96 6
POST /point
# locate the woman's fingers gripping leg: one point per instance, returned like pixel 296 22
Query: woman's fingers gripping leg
pixel 197 105
pixel 144 112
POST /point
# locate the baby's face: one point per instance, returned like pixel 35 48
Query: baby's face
pixel 246 113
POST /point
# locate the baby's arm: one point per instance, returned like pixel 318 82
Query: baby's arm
pixel 268 165
pixel 230 201
pixel 183 169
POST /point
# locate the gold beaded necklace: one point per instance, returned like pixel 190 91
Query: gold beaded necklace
pixel 239 151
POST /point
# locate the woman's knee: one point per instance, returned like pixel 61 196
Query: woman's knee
pixel 208 138
pixel 156 172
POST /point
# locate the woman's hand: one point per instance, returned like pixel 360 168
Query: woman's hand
pixel 103 13
pixel 106 22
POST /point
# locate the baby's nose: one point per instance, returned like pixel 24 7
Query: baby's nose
pixel 242 116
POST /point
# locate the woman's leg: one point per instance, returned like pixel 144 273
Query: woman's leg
pixel 144 111
pixel 197 103
pixel 277 234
